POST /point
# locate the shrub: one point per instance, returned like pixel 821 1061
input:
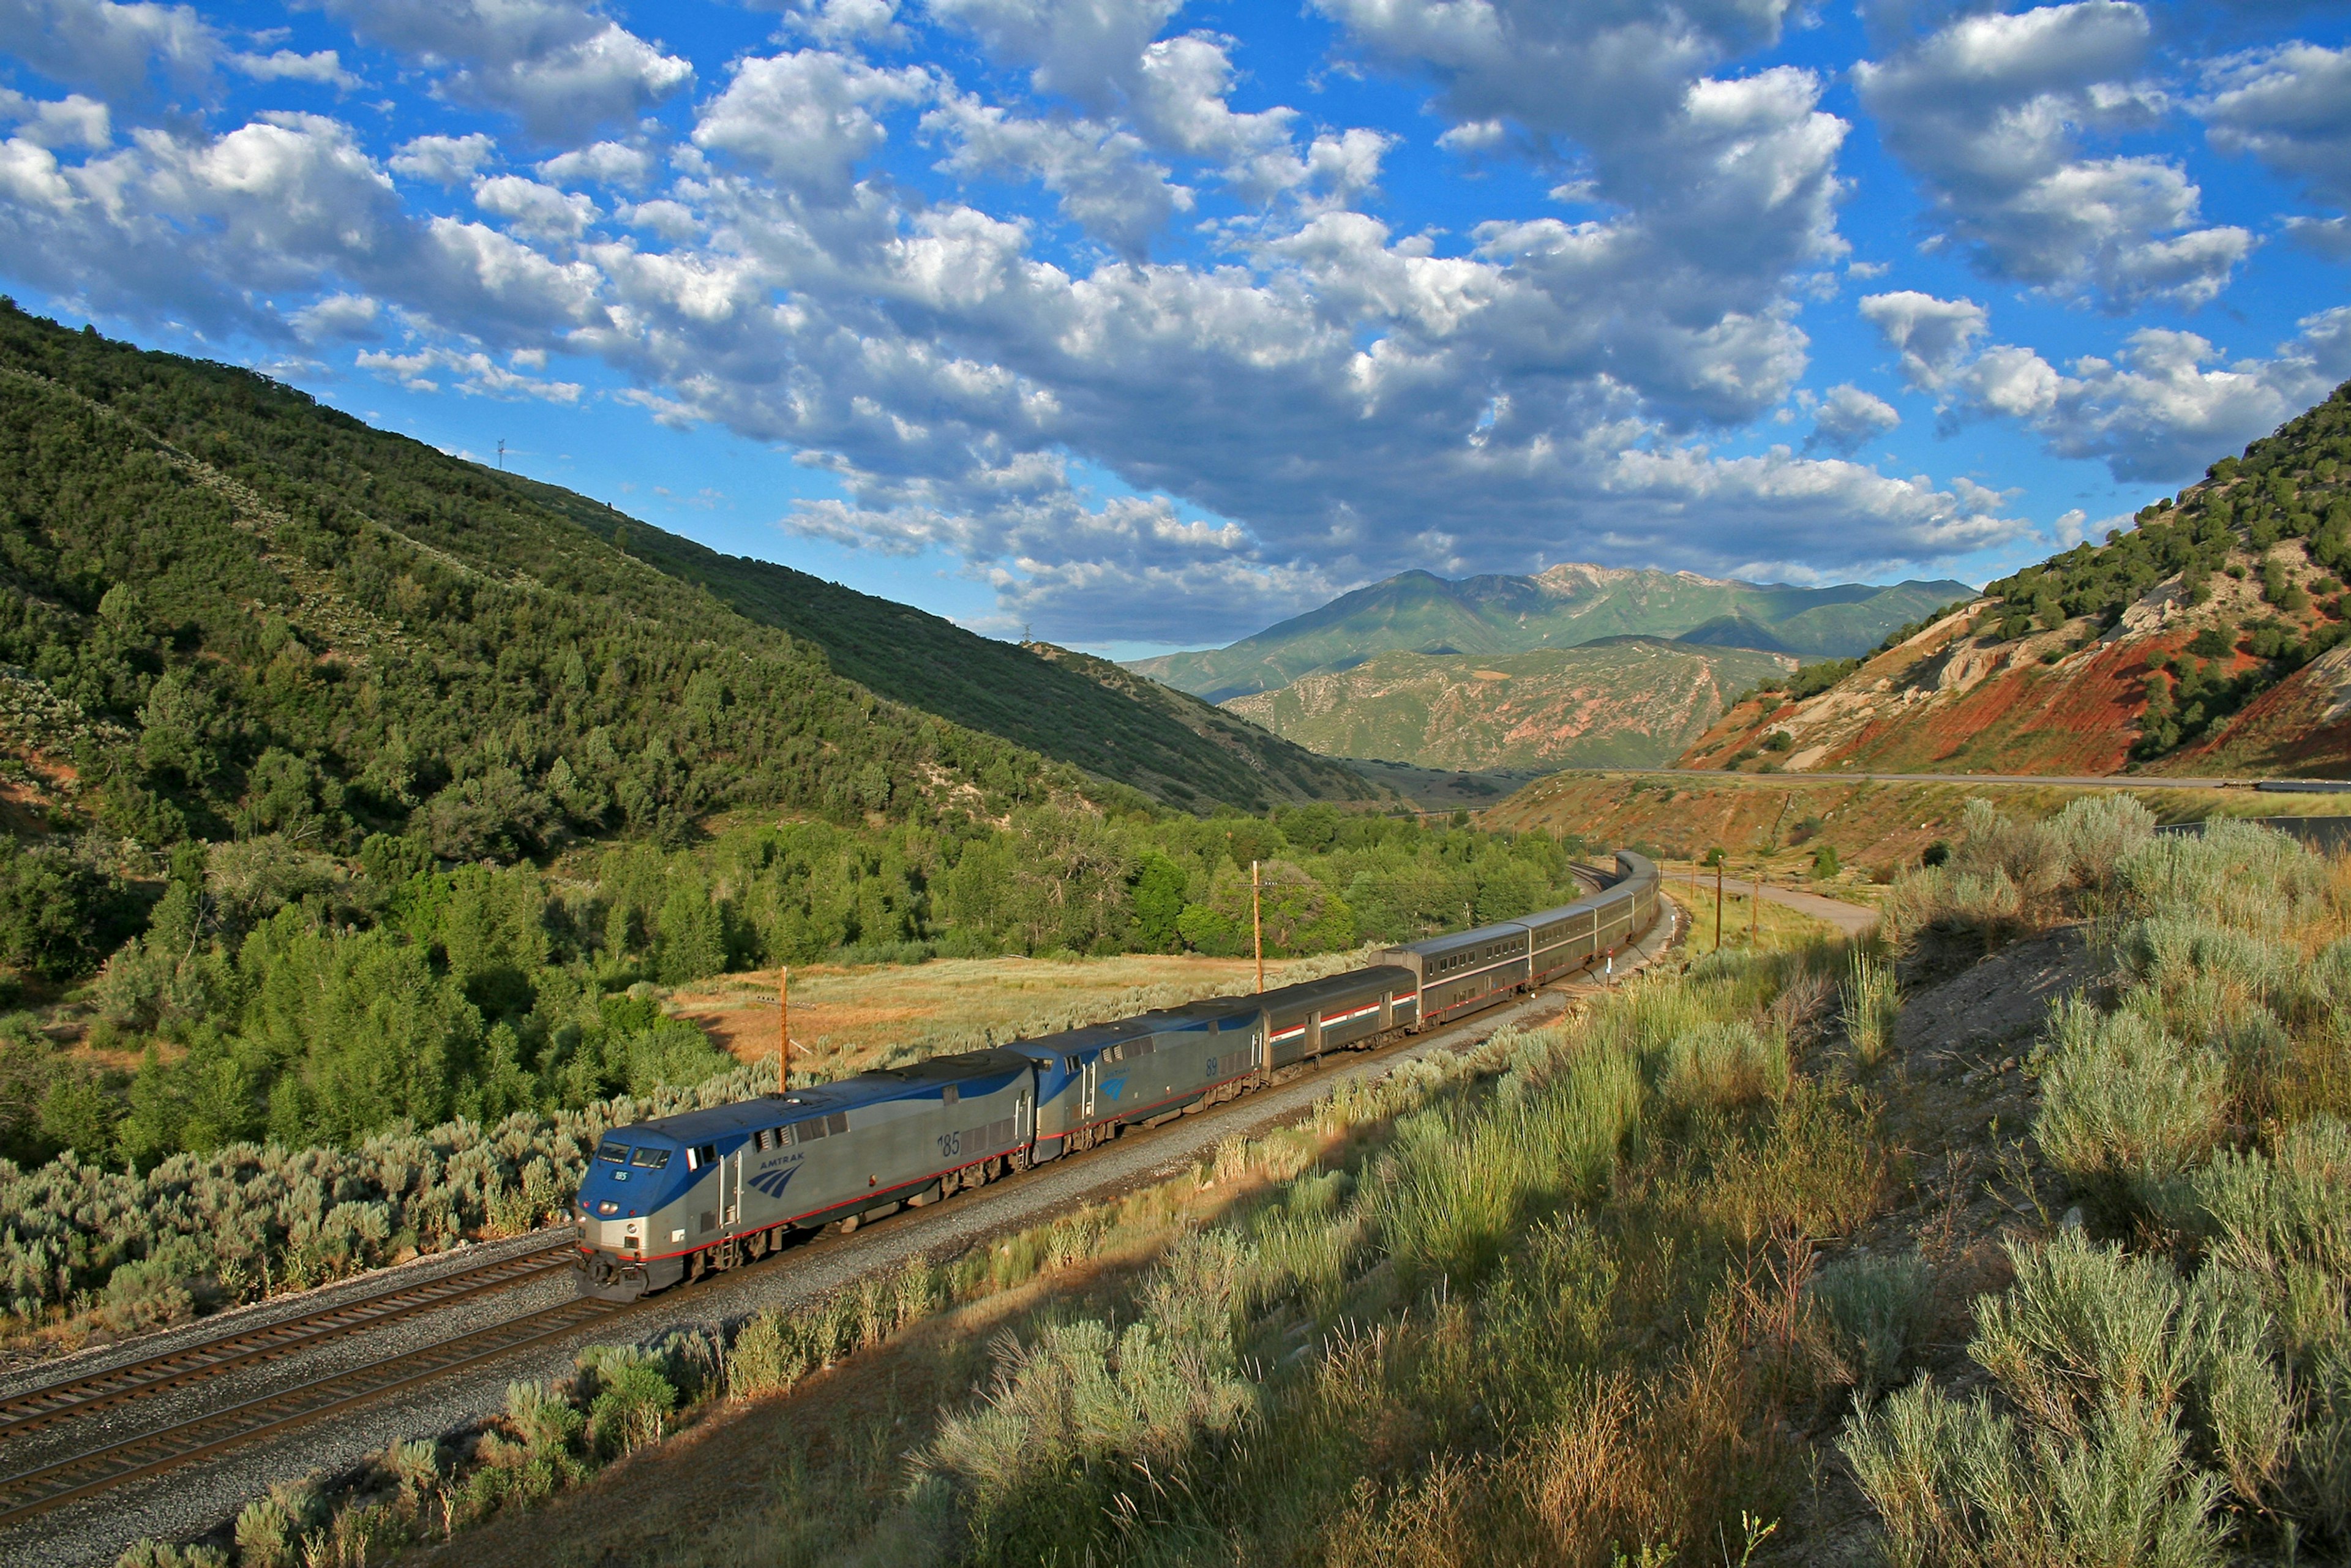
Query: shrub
pixel 253 1217
pixel 59 913
pixel 157 1554
pixel 2234 873
pixel 2097 831
pixel 2126 1108
pixel 2094 1351
pixel 2003 876
pixel 1721 1065
pixel 632 1404
pixel 2286 1211
pixel 1876 1308
pixel 267 1534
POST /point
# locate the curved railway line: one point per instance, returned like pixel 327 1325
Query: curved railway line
pixel 33 1491
pixel 36 1490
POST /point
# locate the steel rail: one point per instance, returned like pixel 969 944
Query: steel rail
pixel 96 1469
pixel 36 1407
pixel 35 1491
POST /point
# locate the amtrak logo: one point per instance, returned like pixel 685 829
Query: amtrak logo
pixel 1113 1088
pixel 773 1182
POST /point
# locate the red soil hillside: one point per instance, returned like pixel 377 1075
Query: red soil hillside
pixel 2067 701
pixel 2300 725
pixel 2210 638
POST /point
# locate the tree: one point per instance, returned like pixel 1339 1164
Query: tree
pixel 58 913
pixel 1157 901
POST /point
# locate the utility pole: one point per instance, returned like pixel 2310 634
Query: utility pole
pixel 1257 921
pixel 1257 941
pixel 502 454
pixel 1717 906
pixel 784 1030
pixel 1754 903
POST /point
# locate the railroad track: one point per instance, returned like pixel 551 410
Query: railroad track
pixel 37 1407
pixel 28 1493
pixel 36 1490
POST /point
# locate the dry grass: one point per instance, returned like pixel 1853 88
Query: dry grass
pixel 846 1018
pixel 1775 928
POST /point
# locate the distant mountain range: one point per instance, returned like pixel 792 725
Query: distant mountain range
pixel 1618 701
pixel 1561 607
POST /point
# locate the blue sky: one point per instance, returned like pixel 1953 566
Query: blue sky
pixel 1142 325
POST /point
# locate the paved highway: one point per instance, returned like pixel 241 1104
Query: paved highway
pixel 2105 781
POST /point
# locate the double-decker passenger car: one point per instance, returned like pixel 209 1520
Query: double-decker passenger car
pixel 1471 969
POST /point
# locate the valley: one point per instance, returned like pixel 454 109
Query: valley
pixel 1623 701
pixel 390 830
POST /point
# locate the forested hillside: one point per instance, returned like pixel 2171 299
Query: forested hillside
pixel 347 786
pixel 2208 638
pixel 1061 706
pixel 233 610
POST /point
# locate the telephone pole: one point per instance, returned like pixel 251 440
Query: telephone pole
pixel 1717 906
pixel 1257 921
pixel 784 1030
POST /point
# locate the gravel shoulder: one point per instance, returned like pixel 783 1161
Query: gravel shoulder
pixel 190 1500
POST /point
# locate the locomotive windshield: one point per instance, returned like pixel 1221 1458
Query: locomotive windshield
pixel 616 1153
pixel 652 1159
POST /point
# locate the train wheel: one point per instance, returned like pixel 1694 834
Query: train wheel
pixel 697 1265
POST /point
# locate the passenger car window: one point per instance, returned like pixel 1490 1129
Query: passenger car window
pixel 616 1153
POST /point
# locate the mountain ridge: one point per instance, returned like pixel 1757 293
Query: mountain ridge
pixel 1022 693
pixel 1564 604
pixel 1616 701
pixel 233 609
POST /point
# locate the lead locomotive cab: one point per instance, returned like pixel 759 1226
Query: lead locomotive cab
pixel 681 1196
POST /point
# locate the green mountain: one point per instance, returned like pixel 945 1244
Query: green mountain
pixel 1559 608
pixel 232 610
pixel 1621 701
pixel 1053 702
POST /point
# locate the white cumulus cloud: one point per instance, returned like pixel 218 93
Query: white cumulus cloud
pixel 2290 106
pixel 1848 417
pixel 2159 408
pixel 1991 113
pixel 562 68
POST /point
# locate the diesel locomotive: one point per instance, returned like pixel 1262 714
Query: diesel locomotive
pixel 669 1199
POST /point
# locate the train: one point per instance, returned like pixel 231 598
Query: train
pixel 668 1200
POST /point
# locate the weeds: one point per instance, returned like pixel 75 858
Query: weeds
pixel 1872 1005
pixel 1876 1309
